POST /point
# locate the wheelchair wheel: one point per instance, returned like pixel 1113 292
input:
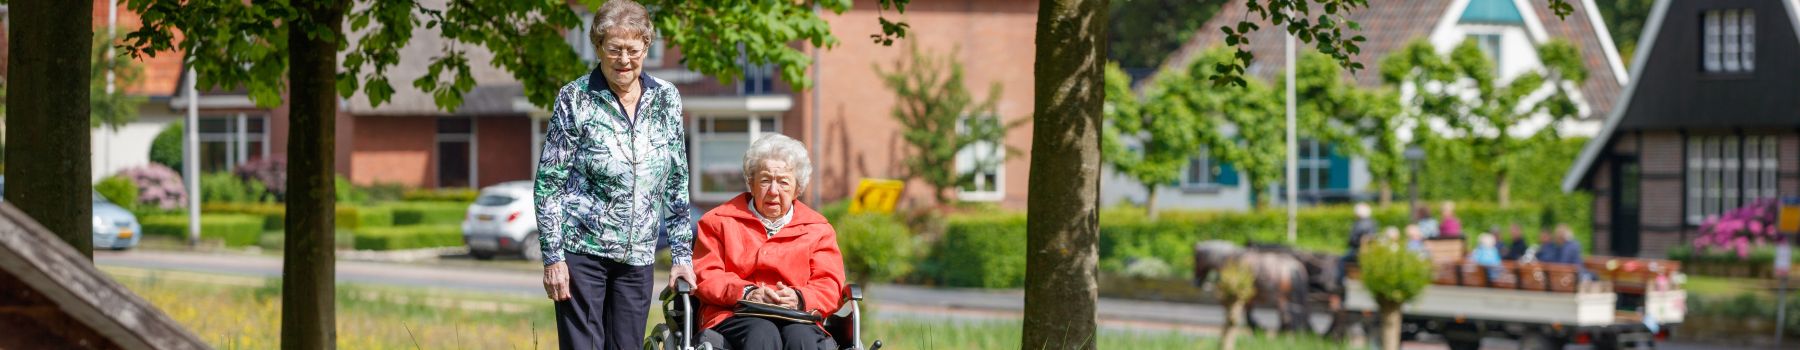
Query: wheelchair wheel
pixel 659 338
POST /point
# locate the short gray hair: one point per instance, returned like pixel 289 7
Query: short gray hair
pixel 779 147
pixel 624 15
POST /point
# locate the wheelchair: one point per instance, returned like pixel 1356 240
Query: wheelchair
pixel 681 310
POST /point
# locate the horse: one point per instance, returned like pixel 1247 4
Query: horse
pixel 1282 281
pixel 1323 280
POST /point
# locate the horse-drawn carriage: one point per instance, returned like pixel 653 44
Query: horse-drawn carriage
pixel 1631 304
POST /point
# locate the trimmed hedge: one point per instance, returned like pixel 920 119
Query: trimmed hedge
pixel 237 230
pixel 275 214
pixel 428 213
pixel 876 247
pixel 441 195
pixel 989 251
pixel 408 237
pixel 985 251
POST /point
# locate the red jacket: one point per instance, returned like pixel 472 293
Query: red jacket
pixel 733 250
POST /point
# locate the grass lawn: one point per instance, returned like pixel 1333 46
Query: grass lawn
pixel 232 312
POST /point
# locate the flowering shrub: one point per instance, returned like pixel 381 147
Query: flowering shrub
pixel 1740 230
pixel 157 186
pixel 271 173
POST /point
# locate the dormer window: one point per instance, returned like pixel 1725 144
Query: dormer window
pixel 1728 41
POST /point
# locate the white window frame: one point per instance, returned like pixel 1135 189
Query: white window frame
pixel 1206 178
pixel 699 133
pixel 1728 41
pixel 1496 52
pixel 474 157
pixel 1311 165
pixel 965 162
pixel 238 138
pixel 1726 172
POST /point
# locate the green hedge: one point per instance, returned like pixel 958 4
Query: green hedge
pixel 441 195
pixel 876 247
pixel 986 251
pixel 428 213
pixel 408 237
pixel 275 214
pixel 989 251
pixel 236 230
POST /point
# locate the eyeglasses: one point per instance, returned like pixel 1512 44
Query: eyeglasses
pixel 615 52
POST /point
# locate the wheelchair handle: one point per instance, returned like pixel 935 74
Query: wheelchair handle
pixel 682 286
pixel 877 345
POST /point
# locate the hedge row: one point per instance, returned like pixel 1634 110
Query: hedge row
pixel 275 214
pixel 235 229
pixel 428 213
pixel 989 251
pixel 408 237
pixel 464 195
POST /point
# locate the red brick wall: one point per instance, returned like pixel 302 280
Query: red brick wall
pixel 394 150
pixel 1662 182
pixel 503 149
pixel 994 40
pixel 1790 164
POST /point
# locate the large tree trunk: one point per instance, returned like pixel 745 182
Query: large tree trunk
pixel 1063 216
pixel 47 117
pixel 1504 186
pixel 1390 325
pixel 308 290
pixel 1150 202
pixel 1387 193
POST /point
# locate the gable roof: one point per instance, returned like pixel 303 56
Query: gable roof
pixel 1647 49
pixel 55 271
pixel 1389 25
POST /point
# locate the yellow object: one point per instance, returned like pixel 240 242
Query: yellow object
pixel 876 196
pixel 123 234
pixel 1790 218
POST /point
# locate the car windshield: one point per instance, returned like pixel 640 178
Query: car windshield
pixel 492 200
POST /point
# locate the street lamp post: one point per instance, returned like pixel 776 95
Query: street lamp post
pixel 1414 155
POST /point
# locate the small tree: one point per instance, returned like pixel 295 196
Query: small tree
pixel 1394 276
pixel 1236 288
pixel 1463 91
pixel 1166 128
pixel 941 119
pixel 116 108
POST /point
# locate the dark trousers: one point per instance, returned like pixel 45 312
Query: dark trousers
pixel 608 303
pixel 756 333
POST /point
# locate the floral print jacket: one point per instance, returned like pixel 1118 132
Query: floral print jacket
pixel 603 179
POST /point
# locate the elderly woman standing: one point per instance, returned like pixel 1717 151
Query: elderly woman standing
pixel 613 160
pixel 767 247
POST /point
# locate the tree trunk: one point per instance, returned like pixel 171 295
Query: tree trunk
pixel 1503 184
pixel 1150 203
pixel 1387 193
pixel 47 117
pixel 1390 325
pixel 1234 312
pixel 308 290
pixel 1062 219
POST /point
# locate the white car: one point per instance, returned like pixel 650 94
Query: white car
pixel 503 219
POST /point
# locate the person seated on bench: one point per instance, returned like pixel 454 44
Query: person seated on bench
pixel 1569 251
pixel 1487 256
pixel 766 247
pixel 1516 246
pixel 1425 223
pixel 1548 250
pixel 1415 241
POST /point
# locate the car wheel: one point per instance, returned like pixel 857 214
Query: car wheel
pixel 481 254
pixel 530 249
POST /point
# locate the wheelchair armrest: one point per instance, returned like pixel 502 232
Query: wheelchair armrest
pixel 855 292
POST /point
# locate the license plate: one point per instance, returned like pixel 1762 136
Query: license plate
pixel 484 217
pixel 484 244
pixel 124 234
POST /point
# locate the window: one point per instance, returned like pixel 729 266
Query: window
pixel 759 79
pixel 1489 44
pixel 1728 172
pixel 584 46
pixel 1199 171
pixel 455 152
pixel 1728 41
pixel 1314 166
pixel 718 152
pixel 226 141
pixel 987 161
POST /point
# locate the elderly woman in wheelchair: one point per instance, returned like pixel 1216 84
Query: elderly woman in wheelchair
pixel 769 272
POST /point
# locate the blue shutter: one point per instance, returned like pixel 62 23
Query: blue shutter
pixel 1340 170
pixel 1227 176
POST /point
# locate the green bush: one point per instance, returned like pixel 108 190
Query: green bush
pixel 225 187
pixel 876 248
pixel 1392 273
pixel 275 214
pixel 237 230
pixel 987 252
pixel 119 190
pixel 441 195
pixel 428 213
pixel 347 192
pixel 382 192
pixel 408 237
pixel 166 148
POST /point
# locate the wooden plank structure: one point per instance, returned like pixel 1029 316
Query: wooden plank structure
pixel 52 297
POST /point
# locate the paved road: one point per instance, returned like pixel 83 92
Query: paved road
pixel 889 301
